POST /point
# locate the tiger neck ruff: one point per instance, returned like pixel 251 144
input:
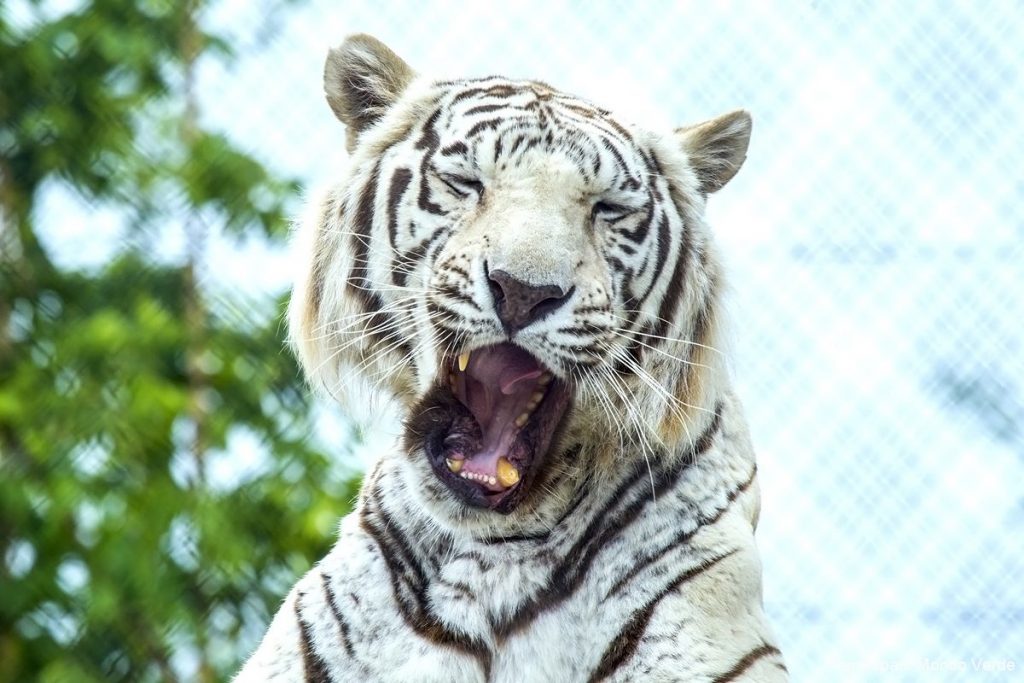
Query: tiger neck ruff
pixel 574 496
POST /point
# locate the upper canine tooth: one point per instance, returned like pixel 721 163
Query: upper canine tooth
pixel 463 361
pixel 508 475
pixel 453 464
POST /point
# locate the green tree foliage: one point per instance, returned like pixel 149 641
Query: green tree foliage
pixel 123 387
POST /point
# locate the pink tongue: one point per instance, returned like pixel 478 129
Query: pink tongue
pixel 503 366
pixel 498 385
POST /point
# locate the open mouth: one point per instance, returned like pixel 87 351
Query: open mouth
pixel 489 423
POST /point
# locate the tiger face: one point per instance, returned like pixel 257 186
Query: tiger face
pixel 531 278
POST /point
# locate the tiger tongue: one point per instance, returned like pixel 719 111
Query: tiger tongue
pixel 499 383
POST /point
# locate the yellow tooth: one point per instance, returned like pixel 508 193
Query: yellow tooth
pixel 463 361
pixel 453 464
pixel 508 475
pixel 536 397
pixel 544 379
pixel 521 420
pixel 531 405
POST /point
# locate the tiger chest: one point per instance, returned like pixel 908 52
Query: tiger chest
pixel 535 617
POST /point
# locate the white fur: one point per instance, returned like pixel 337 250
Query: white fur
pixel 650 421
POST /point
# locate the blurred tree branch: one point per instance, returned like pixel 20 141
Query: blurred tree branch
pixel 121 559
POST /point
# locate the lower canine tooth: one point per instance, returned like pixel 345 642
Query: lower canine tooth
pixel 453 464
pixel 508 475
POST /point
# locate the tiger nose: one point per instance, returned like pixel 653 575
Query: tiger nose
pixel 519 303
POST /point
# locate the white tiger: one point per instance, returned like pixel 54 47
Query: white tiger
pixel 575 495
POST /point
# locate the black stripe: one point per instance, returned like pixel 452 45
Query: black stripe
pixel 639 233
pixel 624 645
pixel 428 142
pixel 670 298
pixel 332 602
pixel 400 561
pixel 683 537
pixel 494 124
pixel 363 228
pixel 569 575
pixel 358 282
pixel 398 539
pixel 748 661
pixel 500 90
pixel 314 667
pixel 620 163
pixel 663 241
pixel 457 148
pixel 484 108
pixel 399 183
pixel 410 259
pixel 452 291
pixel 321 254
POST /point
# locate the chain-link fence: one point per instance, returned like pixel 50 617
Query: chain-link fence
pixel 874 240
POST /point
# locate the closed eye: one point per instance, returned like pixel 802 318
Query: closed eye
pixel 461 185
pixel 610 211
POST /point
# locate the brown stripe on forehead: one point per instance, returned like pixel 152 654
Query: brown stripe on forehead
pixel 485 108
pixel 600 120
pixel 619 128
pixel 499 90
pixel 492 124
pixel 429 139
pixel 581 110
pixel 607 144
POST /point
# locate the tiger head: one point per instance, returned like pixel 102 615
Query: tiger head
pixel 530 278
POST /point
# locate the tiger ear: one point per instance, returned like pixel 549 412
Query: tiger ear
pixel 717 148
pixel 362 79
